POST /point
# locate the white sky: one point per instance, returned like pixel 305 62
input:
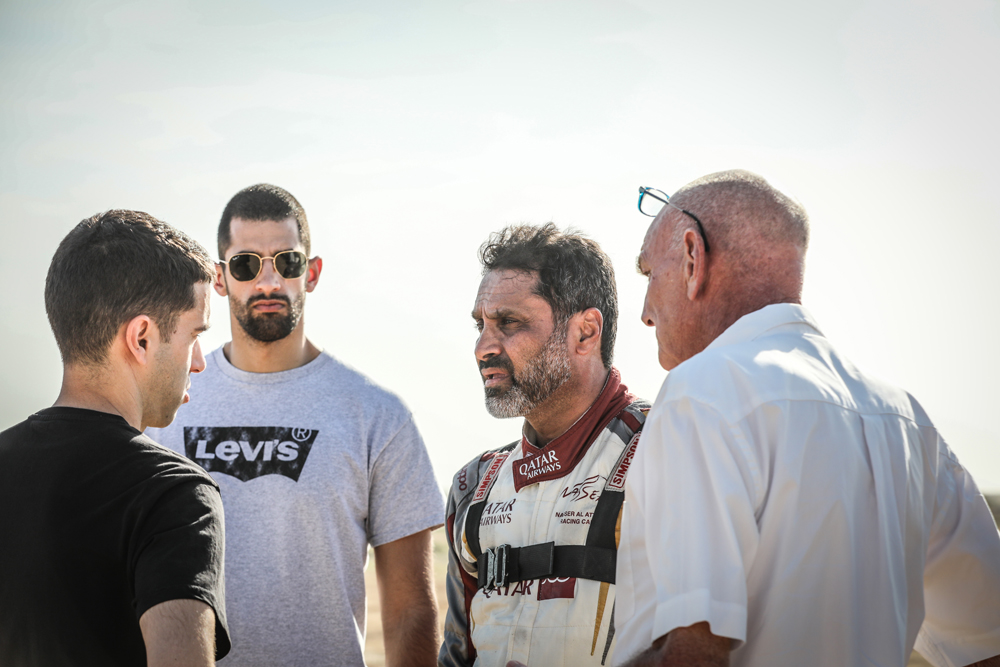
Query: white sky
pixel 410 131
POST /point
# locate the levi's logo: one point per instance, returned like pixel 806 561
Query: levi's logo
pixel 246 452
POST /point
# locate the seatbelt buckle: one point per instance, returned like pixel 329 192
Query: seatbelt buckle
pixel 497 567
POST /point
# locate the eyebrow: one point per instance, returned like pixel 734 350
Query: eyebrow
pixel 203 328
pixel 494 315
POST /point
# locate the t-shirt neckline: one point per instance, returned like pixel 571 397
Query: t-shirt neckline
pixel 218 357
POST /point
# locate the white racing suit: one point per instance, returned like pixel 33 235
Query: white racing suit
pixel 533 537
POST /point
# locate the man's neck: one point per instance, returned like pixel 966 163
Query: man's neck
pixel 254 356
pixel 102 391
pixel 565 406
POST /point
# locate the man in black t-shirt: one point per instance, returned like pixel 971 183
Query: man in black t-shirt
pixel 111 546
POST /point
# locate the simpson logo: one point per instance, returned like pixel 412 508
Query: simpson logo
pixel 246 452
pixel 616 481
pixel 484 486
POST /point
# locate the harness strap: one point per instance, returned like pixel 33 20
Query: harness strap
pixel 595 560
pixel 506 565
pixel 475 513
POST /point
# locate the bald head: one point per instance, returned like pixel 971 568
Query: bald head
pixel 757 238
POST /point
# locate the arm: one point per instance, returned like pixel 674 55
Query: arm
pixel 693 646
pixel 179 632
pixel 457 649
pixel 961 574
pixel 405 577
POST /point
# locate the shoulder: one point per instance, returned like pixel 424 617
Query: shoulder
pixel 782 366
pixel 634 414
pixel 351 383
pixel 466 480
pixel 163 464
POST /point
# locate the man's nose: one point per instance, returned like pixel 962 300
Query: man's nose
pixel 268 280
pixel 647 315
pixel 197 358
pixel 487 345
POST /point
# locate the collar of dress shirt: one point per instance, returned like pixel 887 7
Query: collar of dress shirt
pixel 761 321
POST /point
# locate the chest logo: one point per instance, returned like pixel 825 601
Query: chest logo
pixel 528 468
pixel 588 489
pixel 559 587
pixel 246 452
pixel 495 513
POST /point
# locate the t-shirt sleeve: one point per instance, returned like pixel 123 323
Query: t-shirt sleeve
pixel 695 480
pixel 179 554
pixel 404 497
pixel 962 573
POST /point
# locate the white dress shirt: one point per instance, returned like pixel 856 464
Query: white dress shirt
pixel 807 511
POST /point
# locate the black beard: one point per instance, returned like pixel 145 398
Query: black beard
pixel 268 327
pixel 541 376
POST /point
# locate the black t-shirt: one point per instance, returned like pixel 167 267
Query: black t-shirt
pixel 98 524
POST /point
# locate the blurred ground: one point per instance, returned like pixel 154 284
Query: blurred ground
pixel 374 654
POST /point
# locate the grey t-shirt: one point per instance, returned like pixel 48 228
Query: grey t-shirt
pixel 314 464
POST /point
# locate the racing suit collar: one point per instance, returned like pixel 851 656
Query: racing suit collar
pixel 560 456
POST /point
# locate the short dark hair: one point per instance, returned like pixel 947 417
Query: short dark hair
pixel 113 267
pixel 260 203
pixel 574 274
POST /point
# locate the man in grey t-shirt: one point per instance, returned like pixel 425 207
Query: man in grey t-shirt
pixel 315 463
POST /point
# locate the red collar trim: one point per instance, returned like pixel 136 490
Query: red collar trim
pixel 559 457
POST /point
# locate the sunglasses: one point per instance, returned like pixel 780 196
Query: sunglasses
pixel 244 266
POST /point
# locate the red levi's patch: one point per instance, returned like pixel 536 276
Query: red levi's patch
pixel 559 587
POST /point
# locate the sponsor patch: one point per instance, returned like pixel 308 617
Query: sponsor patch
pixel 246 452
pixel 518 588
pixel 573 517
pixel 558 587
pixel 496 513
pixel 528 468
pixel 588 489
pixel 616 481
pixel 484 486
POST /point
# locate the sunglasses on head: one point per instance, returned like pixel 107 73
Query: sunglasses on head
pixel 288 264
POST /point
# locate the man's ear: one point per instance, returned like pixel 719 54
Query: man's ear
pixel 220 279
pixel 140 335
pixel 312 273
pixel 586 328
pixel 695 264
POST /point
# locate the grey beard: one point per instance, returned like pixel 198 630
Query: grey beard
pixel 540 378
pixel 270 327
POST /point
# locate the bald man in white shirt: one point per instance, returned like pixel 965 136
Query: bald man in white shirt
pixel 783 507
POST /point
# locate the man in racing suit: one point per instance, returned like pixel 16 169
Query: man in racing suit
pixel 533 526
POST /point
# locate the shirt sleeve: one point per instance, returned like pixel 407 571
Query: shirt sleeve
pixel 404 497
pixel 696 482
pixel 962 573
pixel 180 554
